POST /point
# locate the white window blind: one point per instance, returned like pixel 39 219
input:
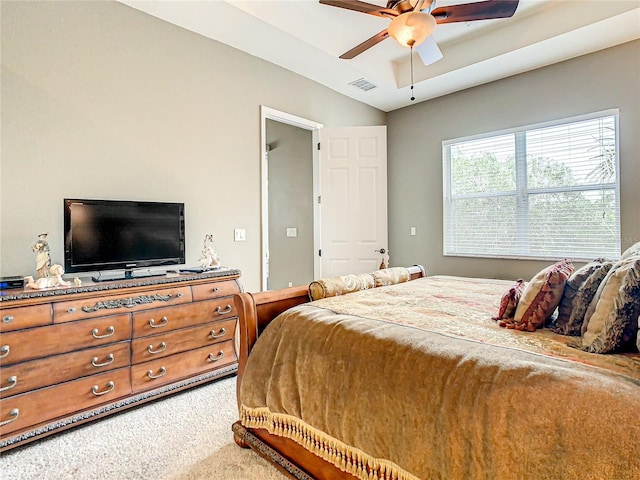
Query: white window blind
pixel 543 191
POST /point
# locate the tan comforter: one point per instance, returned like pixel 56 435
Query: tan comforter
pixel 416 381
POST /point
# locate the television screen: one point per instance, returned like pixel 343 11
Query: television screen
pixel 113 235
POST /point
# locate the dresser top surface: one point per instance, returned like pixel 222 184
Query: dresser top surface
pixel 88 285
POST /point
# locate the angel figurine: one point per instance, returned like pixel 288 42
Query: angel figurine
pixel 54 279
pixel 43 260
pixel 210 258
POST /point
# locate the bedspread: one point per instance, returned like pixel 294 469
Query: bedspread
pixel 416 381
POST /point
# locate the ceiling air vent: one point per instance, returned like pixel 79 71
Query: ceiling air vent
pixel 362 84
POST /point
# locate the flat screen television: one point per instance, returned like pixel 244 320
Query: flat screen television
pixel 115 235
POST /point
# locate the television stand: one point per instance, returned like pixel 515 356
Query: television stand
pixel 98 335
pixel 127 275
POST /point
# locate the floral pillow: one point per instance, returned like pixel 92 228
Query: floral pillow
pixel 632 251
pixel 541 296
pixel 583 298
pixel 570 296
pixel 391 276
pixel 331 287
pixel 509 302
pixel 612 318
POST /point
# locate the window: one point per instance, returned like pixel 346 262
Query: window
pixel 543 191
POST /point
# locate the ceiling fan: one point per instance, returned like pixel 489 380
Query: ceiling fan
pixel 413 21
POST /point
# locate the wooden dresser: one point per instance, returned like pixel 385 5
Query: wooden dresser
pixel 71 355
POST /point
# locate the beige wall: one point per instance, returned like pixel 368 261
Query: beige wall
pixel 595 82
pixel 102 101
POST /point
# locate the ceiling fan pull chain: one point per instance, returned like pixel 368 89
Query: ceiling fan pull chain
pixel 411 59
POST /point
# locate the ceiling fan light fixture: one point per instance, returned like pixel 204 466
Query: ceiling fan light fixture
pixel 411 28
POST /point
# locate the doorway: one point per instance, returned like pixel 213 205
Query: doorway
pixel 290 190
pixel 289 185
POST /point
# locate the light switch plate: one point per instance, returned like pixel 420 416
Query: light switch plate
pixel 292 232
pixel 239 234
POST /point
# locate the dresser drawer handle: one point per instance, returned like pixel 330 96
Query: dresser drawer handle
pixel 95 389
pixel 161 348
pixel 216 289
pixel 12 381
pixel 220 311
pixel 110 331
pixel 71 310
pixel 180 295
pixel 94 361
pixel 163 322
pixel 14 413
pixel 215 358
pixel 161 373
pixel 4 351
pixel 7 318
pixel 220 334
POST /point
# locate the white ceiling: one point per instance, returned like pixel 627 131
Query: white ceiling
pixel 307 38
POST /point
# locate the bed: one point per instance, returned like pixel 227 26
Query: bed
pixel 414 379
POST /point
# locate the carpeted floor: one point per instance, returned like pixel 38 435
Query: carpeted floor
pixel 183 437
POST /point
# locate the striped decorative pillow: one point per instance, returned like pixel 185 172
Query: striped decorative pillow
pixel 509 301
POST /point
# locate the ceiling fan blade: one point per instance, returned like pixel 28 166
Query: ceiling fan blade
pixel 429 51
pixel 362 7
pixel 367 44
pixel 468 12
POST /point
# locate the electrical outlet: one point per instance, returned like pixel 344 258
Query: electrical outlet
pixel 413 231
pixel 239 234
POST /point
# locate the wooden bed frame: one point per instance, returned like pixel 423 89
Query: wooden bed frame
pixel 255 311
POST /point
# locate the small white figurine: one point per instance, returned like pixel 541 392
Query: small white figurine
pixel 53 280
pixel 77 282
pixel 43 260
pixel 384 263
pixel 210 258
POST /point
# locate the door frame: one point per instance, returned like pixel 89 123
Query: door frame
pixel 267 113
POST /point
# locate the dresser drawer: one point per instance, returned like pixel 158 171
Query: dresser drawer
pixel 182 365
pixel 24 317
pixel 150 322
pixel 214 290
pixel 46 404
pixel 26 376
pixel 158 346
pixel 97 306
pixel 40 342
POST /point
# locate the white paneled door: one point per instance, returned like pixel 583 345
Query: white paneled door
pixel 353 204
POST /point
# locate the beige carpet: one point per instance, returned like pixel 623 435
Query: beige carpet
pixel 183 437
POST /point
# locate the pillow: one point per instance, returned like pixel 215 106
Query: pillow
pixel 594 301
pixel 509 301
pixel 541 296
pixel 585 294
pixel 613 324
pixel 391 276
pixel 331 287
pixel 632 251
pixel 569 296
